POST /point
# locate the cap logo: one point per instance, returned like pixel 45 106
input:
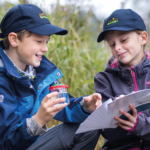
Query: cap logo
pixel 113 20
pixel 42 15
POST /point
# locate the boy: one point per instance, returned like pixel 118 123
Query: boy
pixel 26 76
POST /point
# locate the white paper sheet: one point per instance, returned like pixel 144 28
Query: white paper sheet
pixel 103 117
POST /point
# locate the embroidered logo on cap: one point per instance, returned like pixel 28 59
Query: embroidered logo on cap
pixel 42 15
pixel 113 20
pixel 1 98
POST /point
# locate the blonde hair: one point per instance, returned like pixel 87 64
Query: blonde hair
pixel 20 36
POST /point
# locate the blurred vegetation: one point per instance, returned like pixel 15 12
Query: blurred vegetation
pixel 77 54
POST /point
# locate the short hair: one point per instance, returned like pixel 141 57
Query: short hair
pixel 138 31
pixel 20 36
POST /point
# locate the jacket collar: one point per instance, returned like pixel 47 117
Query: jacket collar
pixel 114 66
pixel 42 71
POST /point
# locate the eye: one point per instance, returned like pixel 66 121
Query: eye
pixel 124 40
pixel 112 45
pixel 39 41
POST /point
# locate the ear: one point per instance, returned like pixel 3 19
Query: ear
pixel 144 38
pixel 12 37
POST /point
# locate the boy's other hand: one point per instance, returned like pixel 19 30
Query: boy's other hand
pixel 93 101
pixel 47 109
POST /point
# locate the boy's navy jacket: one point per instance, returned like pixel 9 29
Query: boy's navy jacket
pixel 111 83
pixel 19 99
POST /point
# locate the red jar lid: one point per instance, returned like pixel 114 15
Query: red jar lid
pixel 58 86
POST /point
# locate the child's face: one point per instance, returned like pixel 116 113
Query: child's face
pixel 127 47
pixel 30 50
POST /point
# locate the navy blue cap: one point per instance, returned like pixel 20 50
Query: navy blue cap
pixel 122 20
pixel 29 17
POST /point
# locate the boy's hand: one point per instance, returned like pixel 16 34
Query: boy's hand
pixel 127 125
pixel 47 109
pixel 93 101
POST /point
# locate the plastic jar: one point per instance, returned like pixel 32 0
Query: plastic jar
pixel 62 91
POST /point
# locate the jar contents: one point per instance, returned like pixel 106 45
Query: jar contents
pixel 62 92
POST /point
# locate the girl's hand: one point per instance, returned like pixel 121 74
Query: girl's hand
pixel 47 109
pixel 93 101
pixel 127 125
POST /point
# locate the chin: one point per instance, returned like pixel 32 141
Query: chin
pixel 125 61
pixel 35 65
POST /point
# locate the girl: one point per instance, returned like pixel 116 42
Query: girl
pixel 128 70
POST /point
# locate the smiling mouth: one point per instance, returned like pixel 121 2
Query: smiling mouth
pixel 122 54
pixel 39 56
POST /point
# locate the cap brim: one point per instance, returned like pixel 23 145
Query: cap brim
pixel 102 34
pixel 48 29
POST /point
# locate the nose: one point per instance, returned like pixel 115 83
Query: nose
pixel 117 47
pixel 44 48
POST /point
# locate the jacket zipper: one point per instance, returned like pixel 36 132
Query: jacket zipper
pixel 134 79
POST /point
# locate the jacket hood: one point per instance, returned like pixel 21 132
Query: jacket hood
pixel 46 67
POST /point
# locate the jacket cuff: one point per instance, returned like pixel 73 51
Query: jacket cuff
pixel 33 127
pixel 84 107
